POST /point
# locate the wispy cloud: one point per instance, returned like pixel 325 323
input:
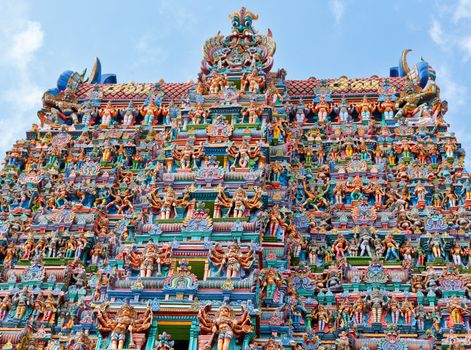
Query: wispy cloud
pixel 148 52
pixel 455 33
pixel 20 39
pixel 337 7
pixel 462 10
pixel 465 45
pixel 455 92
pixel 436 32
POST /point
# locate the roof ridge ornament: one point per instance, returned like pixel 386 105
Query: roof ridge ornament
pixel 240 52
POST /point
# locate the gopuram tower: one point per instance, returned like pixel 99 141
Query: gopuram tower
pixel 242 211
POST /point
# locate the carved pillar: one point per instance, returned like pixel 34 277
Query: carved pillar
pixel 153 331
pixel 194 332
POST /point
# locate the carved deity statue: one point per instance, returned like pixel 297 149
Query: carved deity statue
pixel 231 259
pixel 126 319
pixel 224 326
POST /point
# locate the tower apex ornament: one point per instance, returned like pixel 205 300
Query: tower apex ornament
pixel 240 52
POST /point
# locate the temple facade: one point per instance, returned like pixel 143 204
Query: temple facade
pixel 240 211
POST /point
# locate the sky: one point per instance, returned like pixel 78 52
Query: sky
pixel 149 40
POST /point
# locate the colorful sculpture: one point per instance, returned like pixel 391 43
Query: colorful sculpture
pixel 325 212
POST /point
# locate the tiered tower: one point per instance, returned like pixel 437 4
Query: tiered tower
pixel 243 211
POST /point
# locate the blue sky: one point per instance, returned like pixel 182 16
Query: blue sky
pixel 149 40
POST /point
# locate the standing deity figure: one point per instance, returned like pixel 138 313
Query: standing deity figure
pixel 394 308
pixel 340 246
pixel 273 96
pixel 224 326
pixel 420 191
pixel 240 202
pixel 344 110
pixel 70 247
pixel 391 248
pixel 345 311
pixel 255 82
pixel 149 258
pixel 271 279
pixel 107 114
pixel 50 308
pixel 322 109
pixel 407 310
pixel 457 310
pixel 169 203
pixel 125 320
pixel 253 113
pixel 323 317
pixel 359 309
pixel 21 301
pixel 242 153
pixel 187 155
pixel 366 242
pixel 231 259
pixel 5 306
pixel 150 113
pixel 197 115
pixel 28 248
pixel 88 114
pixel 407 250
pixel 277 169
pixel 339 192
pixel 313 251
pixel 450 198
pixel 387 108
pixel 436 243
pixel 129 114
pixel 365 109
pixel 274 222
pixel 450 148
pixel 456 252
pixel 420 314
pixel 376 304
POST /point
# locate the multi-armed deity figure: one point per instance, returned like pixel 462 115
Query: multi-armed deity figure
pixel 243 152
pixel 151 257
pixel 169 203
pixel 224 326
pixel 126 320
pixel 188 155
pixel 231 259
pixel 240 203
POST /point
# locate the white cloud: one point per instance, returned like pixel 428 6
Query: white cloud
pixel 464 43
pixel 454 92
pixel 25 43
pixel 20 40
pixel 436 32
pixel 452 35
pixel 462 10
pixel 149 52
pixel 337 7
